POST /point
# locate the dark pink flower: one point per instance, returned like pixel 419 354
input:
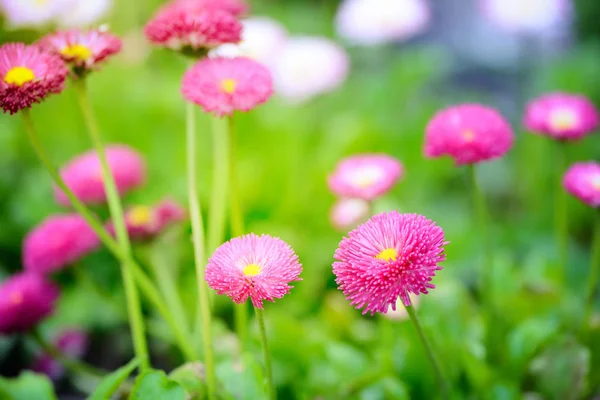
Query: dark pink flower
pixel 28 75
pixel 72 343
pixel 83 50
pixel 224 85
pixel 25 299
pixel 389 256
pixel 582 180
pixel 234 7
pixel 562 116
pixel 58 242
pixel 145 222
pixel 255 267
pixel 469 133
pixel 83 174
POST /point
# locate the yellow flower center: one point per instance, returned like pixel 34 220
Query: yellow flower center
pixel 77 51
pixel 16 297
pixel 468 135
pixel 19 76
pixel 228 85
pixel 389 254
pixel 563 119
pixel 140 215
pixel 251 270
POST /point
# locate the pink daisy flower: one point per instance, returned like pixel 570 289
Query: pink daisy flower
pixel 562 116
pixel 72 343
pixel 28 75
pixel 366 176
pixel 192 28
pixel 82 50
pixel 389 256
pixel 469 133
pixel 347 213
pixel 582 180
pixel 144 222
pixel 255 267
pixel 224 85
pixel 58 242
pixel 234 7
pixel 25 299
pixel 83 174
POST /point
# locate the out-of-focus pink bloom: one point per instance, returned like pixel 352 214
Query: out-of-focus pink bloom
pixel 348 213
pixel 389 256
pixel 25 299
pixel 224 85
pixel 20 13
pixel 57 242
pixel 72 343
pixel 365 176
pixel 144 222
pixel 83 174
pixel 309 66
pixel 530 17
pixel 83 50
pixel 373 22
pixel 186 26
pixel 562 116
pixel 582 180
pixel 400 313
pixel 80 13
pixel 28 75
pixel 469 133
pixel 256 267
pixel 262 40
pixel 234 7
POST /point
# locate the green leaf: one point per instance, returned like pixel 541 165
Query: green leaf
pixel 28 386
pixel 191 377
pixel 154 385
pixel 111 382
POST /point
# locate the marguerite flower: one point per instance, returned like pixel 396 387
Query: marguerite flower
pixel 582 180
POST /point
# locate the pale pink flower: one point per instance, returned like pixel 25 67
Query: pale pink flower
pixel 256 267
pixel 31 13
pixel 80 13
pixel 374 22
pixel 224 85
pixel 347 213
pixel 469 133
pixel 562 116
pixel 83 50
pixel 28 75
pixel 365 176
pixel 145 222
pixel 582 180
pixel 83 174
pixel 389 256
pixel 528 17
pixel 309 66
pixel 58 242
pixel 25 299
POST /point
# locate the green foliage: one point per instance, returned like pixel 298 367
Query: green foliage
pixel 110 383
pixel 27 386
pixel 154 385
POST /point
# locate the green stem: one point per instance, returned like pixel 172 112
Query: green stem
pixel 218 200
pixel 486 273
pixel 199 251
pixel 560 214
pixel 145 283
pixel 116 210
pixel 443 384
pixel 594 268
pixel 240 311
pixel 73 365
pixel 270 387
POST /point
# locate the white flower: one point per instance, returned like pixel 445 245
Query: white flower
pixel 527 16
pixel 348 213
pixel 83 12
pixel 23 13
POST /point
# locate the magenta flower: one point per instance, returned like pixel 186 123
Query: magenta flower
pixel 83 174
pixel 25 299
pixel 562 116
pixel 582 180
pixel 58 242
pixel 234 7
pixel 224 85
pixel 190 27
pixel 144 222
pixel 28 75
pixel 347 213
pixel 389 256
pixel 365 176
pixel 72 343
pixel 255 267
pixel 469 133
pixel 82 50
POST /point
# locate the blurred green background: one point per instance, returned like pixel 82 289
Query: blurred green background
pixel 322 347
